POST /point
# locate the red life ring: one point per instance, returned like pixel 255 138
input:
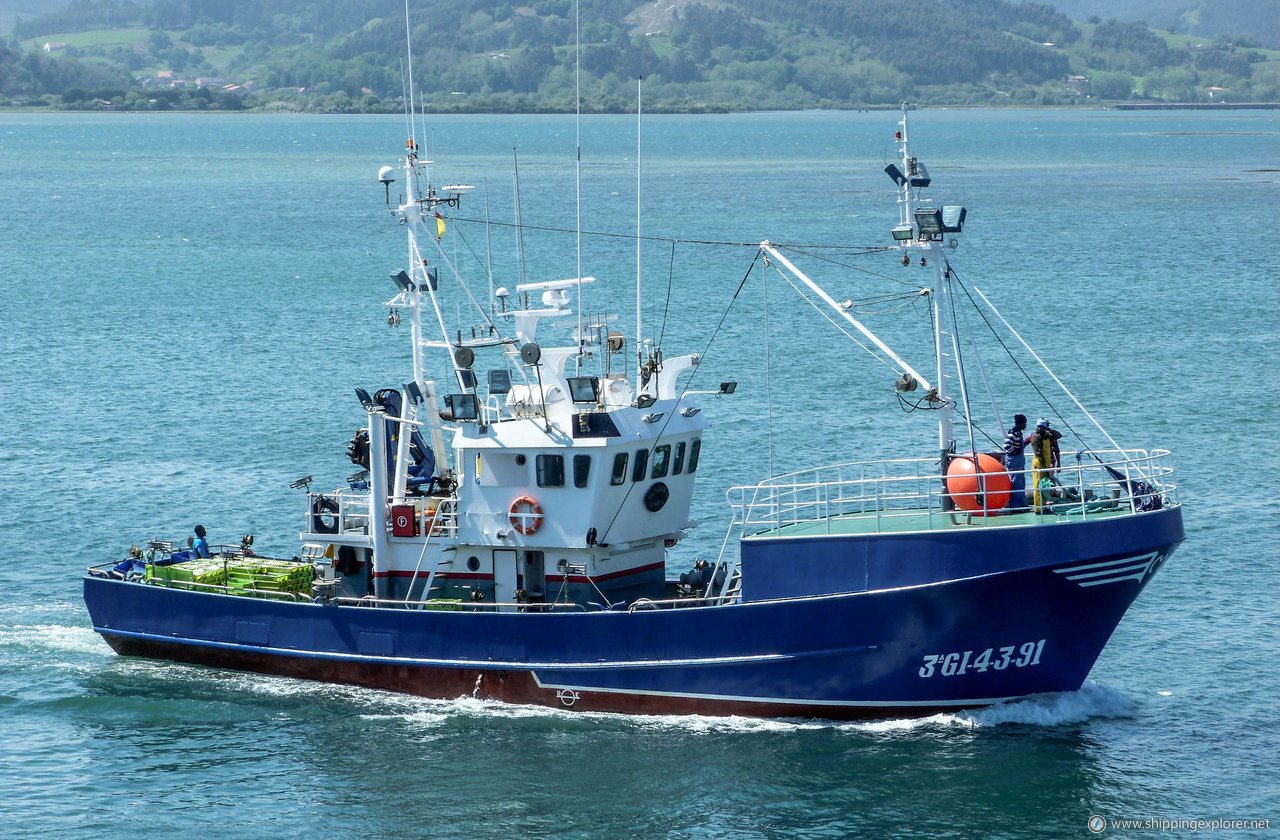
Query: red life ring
pixel 526 515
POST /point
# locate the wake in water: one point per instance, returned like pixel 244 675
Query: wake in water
pixel 23 641
pixel 1092 701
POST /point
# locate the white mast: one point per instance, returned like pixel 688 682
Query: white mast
pixel 577 130
pixel 639 311
pixel 931 248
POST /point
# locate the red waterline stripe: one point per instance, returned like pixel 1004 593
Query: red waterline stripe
pixel 572 578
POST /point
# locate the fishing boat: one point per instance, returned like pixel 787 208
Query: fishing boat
pixel 514 528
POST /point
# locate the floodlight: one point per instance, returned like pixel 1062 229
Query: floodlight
pixel 584 389
pixel 929 221
pixel 953 218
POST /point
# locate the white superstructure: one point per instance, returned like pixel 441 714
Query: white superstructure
pixel 538 474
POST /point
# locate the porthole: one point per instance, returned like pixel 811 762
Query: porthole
pixel 473 563
pixel 656 497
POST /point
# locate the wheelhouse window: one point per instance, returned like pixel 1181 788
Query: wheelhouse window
pixel 582 470
pixel 661 461
pixel 639 465
pixel 678 466
pixel 550 470
pixel 619 469
pixel 695 449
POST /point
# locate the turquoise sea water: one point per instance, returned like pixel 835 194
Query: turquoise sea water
pixel 187 301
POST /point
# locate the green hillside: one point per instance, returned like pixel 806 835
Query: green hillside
pixel 695 55
pixel 1257 19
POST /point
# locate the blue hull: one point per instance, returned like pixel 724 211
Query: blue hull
pixel 909 649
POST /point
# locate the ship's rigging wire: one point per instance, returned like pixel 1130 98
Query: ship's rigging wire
pixel 853 250
pixel 901 301
pixel 805 250
pixel 823 312
pixel 1013 358
pixel 959 362
pixel 768 369
pixel 666 307
pixel 688 383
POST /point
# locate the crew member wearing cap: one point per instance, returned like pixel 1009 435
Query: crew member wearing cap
pixel 1045 458
pixel 1016 462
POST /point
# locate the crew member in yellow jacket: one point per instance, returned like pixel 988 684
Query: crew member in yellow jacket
pixel 1045 459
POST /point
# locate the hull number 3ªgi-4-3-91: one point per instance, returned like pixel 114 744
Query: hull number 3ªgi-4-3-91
pixel 961 662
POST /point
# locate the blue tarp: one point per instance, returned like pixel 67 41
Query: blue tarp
pixel 130 565
pixel 422 470
pixel 176 557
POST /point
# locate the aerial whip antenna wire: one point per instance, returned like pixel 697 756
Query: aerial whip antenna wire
pixel 577 128
pixel 408 39
pixel 639 358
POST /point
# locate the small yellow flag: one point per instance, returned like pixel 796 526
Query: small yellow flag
pixel 440 228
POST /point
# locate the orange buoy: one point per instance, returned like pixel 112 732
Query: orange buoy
pixel 525 515
pixel 432 514
pixel 983 487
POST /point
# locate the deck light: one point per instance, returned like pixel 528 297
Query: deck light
pixel 645 400
pixel 903 233
pixel 462 406
pixel 654 416
pixel 919 175
pixel 953 218
pixel 401 279
pixel 499 381
pixel 929 221
pixel 728 387
pixel 584 389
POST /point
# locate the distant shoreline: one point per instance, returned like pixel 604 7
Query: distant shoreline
pixel 1195 106
pixel 1114 106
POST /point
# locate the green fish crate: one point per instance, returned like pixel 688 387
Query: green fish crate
pixel 211 571
pixel 250 574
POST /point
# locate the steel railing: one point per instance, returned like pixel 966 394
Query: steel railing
pixel 889 493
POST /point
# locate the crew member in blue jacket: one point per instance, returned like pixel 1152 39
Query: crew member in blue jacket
pixel 201 545
pixel 1015 461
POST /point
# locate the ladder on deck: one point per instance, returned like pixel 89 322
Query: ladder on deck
pixel 430 529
